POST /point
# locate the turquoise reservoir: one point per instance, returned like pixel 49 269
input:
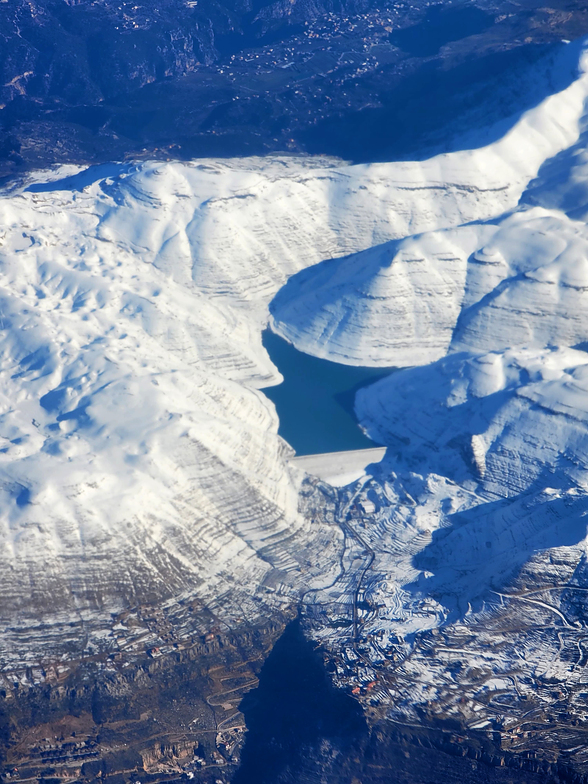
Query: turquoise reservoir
pixel 315 400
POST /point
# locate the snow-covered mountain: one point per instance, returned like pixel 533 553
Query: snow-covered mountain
pixel 140 461
pixel 464 581
pixel 406 302
pixel 502 419
pixel 473 534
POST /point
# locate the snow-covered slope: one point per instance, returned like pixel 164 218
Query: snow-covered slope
pixel 135 462
pixel 503 419
pixel 398 304
pixel 521 280
pixel 392 305
pixel 139 461
pixel 473 535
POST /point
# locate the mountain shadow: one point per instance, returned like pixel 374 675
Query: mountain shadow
pixel 486 547
pixel 294 710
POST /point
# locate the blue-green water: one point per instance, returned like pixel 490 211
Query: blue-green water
pixel 315 400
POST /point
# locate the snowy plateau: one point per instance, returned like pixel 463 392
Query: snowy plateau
pixel 140 460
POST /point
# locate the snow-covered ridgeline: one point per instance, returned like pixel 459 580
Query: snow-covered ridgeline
pixel 408 302
pixel 518 281
pixel 138 460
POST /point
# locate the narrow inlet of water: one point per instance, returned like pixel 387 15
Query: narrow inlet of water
pixel 315 400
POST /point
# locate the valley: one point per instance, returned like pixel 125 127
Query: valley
pixel 165 560
pixel 90 82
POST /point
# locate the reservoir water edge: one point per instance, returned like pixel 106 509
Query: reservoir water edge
pixel 315 400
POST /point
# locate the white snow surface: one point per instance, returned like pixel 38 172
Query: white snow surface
pixel 469 281
pixel 139 461
pixel 509 421
pixel 340 469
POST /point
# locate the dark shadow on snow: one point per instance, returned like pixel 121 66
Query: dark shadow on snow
pixel 484 548
pixel 77 182
pixel 427 111
pixel 293 709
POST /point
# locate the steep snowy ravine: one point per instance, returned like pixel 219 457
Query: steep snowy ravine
pixel 140 460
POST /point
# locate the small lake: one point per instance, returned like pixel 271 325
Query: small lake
pixel 315 400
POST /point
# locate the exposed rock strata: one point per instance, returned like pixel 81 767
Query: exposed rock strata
pixel 148 509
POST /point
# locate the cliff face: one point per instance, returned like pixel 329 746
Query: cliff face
pixel 81 52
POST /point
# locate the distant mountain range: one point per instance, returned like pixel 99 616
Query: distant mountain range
pixel 90 81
